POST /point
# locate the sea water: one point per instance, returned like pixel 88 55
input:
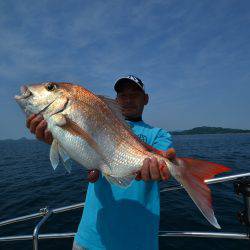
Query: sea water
pixel 28 183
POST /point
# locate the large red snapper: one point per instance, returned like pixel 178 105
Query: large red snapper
pixel 91 130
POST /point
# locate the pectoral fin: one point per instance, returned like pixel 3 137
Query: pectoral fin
pixel 58 120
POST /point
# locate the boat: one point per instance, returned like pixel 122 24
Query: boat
pixel 241 187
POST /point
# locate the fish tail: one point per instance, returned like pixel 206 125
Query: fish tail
pixel 191 173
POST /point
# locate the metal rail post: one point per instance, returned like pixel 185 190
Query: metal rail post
pixel 47 214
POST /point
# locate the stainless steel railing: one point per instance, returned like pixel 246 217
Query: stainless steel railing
pixel 46 213
pixel 236 236
pixel 42 213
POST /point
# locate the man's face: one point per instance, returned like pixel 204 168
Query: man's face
pixel 132 100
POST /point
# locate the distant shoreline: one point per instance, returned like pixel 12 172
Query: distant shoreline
pixel 210 130
pixel 194 131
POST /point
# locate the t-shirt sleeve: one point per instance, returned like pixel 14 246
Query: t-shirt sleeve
pixel 163 140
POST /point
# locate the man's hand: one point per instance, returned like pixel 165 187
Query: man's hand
pixel 93 175
pixel 152 169
pixel 38 126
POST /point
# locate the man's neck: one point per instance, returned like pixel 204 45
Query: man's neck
pixel 134 119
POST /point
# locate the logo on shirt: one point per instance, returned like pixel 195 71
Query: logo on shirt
pixel 142 137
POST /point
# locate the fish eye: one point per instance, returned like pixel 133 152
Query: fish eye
pixel 50 87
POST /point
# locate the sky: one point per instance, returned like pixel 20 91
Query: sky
pixel 193 56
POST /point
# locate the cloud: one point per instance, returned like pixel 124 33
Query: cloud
pixel 186 52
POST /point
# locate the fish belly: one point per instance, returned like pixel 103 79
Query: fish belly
pixel 77 149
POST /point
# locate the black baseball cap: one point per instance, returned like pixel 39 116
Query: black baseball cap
pixel 130 78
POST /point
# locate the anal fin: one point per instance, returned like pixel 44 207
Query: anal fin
pixel 122 182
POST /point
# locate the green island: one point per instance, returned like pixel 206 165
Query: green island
pixel 209 130
pixel 193 131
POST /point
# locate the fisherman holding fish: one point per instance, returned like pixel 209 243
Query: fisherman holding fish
pixel 119 213
pixel 133 213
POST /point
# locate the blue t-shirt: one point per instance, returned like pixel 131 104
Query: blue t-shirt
pixel 115 218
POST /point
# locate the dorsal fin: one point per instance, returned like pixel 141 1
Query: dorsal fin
pixel 169 154
pixel 151 149
pixel 116 109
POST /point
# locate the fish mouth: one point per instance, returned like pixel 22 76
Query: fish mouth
pixel 25 93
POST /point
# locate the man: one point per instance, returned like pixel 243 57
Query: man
pixel 115 218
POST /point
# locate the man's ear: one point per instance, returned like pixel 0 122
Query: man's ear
pixel 146 99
